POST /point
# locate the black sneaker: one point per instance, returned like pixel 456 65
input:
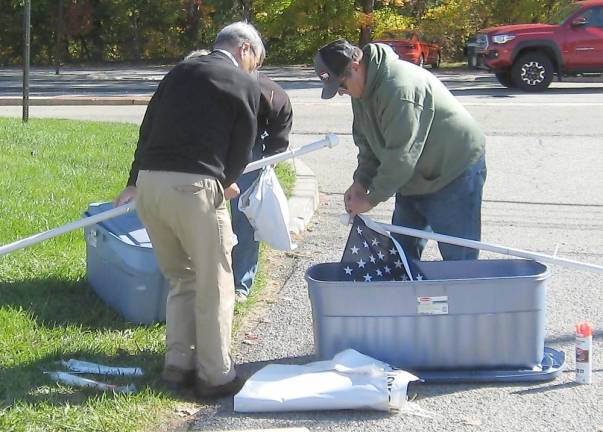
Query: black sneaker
pixel 204 391
pixel 176 379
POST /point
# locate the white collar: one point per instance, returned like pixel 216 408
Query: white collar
pixel 230 56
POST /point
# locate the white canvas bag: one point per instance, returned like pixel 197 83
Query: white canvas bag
pixel 267 210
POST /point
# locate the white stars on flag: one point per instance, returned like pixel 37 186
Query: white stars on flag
pixel 371 255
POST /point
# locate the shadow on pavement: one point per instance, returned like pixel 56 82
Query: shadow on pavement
pixel 548 388
pixel 501 92
pixel 222 411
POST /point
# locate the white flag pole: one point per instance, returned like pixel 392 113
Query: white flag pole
pixel 504 250
pixel 40 237
pixel 330 141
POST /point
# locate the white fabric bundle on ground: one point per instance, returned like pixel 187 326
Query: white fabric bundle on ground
pixel 350 381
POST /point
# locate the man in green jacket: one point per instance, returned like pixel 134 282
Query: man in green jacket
pixel 415 141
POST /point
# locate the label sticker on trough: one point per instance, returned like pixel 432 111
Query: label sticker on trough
pixel 92 237
pixel 436 305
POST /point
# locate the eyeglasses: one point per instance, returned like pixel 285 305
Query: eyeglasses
pixel 255 56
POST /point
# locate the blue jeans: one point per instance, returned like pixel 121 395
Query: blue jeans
pixel 245 253
pixel 454 210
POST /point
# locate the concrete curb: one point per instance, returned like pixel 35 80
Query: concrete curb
pixel 76 100
pixel 304 198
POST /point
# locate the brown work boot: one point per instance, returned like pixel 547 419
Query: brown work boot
pixel 177 379
pixel 204 391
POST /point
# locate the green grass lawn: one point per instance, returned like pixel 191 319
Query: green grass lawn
pixel 52 170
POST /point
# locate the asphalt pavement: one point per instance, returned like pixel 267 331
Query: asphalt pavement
pixel 133 85
pixel 544 192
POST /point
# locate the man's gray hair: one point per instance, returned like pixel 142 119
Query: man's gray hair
pixel 197 53
pixel 357 56
pixel 233 35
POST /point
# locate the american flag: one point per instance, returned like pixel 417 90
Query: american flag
pixel 371 256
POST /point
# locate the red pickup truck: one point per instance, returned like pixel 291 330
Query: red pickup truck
pixel 413 46
pixel 527 56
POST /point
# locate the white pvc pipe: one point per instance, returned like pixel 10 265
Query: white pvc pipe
pixel 484 246
pixel 330 141
pixel 40 237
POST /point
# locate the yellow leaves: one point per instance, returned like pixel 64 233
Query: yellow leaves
pixel 364 19
pixel 395 3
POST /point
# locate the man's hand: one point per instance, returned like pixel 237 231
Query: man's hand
pixel 355 190
pixel 128 194
pixel 355 199
pixel 358 204
pixel 231 191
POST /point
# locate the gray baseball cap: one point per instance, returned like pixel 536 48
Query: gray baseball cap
pixel 330 63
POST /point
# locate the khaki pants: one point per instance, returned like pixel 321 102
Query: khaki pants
pixel 188 223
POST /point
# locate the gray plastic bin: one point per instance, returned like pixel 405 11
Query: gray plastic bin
pixel 122 268
pixel 466 315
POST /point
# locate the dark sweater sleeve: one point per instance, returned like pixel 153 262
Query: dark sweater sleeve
pixel 278 126
pixel 243 135
pixel 143 135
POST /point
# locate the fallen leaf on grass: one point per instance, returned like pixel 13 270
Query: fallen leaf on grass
pixel 186 412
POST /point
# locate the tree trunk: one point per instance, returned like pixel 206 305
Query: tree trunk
pixel 366 24
pixel 95 36
pixel 246 10
pixel 59 37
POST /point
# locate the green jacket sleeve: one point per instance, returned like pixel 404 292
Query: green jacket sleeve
pixel 405 125
pixel 367 161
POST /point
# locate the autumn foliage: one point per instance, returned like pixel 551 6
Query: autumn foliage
pixel 95 31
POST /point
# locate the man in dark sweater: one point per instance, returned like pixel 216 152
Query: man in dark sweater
pixel 195 140
pixel 275 118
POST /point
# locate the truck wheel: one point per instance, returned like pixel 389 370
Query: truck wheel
pixel 436 63
pixel 532 72
pixel 504 78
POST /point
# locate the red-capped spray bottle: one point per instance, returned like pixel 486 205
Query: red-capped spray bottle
pixel 584 353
